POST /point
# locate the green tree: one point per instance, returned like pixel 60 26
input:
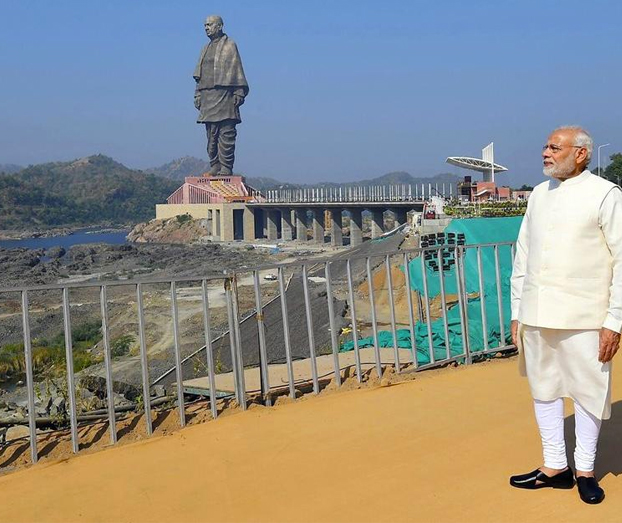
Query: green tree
pixel 613 172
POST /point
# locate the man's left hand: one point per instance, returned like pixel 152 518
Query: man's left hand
pixel 609 342
pixel 238 100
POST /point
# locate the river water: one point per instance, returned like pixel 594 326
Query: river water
pixel 77 238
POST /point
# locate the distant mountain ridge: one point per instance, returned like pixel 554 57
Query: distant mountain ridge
pixel 98 190
pixel 88 191
pixel 189 166
pixel 9 168
pixel 180 168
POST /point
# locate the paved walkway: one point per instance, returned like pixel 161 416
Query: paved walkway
pixel 439 448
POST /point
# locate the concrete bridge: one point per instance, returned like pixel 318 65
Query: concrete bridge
pixel 286 221
pixel 235 211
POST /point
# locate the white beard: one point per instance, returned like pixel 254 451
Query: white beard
pixel 561 170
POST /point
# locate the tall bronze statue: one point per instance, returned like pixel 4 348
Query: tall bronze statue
pixel 221 89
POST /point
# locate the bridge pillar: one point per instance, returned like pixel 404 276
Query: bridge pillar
pixel 301 224
pixel 287 228
pixel 210 223
pixel 336 223
pixel 272 229
pixel 249 224
pixel 356 227
pixel 401 216
pixel 377 223
pixel 318 225
pixel 217 224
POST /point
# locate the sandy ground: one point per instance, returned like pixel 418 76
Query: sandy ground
pixel 437 448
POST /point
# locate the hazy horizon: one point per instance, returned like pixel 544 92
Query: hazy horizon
pixel 337 92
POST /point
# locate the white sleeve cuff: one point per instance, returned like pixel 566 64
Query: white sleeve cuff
pixel 612 323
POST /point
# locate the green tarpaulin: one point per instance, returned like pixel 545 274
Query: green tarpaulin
pixel 476 231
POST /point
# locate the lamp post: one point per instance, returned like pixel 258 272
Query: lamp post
pixel 599 147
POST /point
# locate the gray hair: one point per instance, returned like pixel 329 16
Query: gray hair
pixel 582 139
pixel 216 18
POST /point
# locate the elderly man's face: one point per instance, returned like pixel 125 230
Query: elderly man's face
pixel 560 156
pixel 213 27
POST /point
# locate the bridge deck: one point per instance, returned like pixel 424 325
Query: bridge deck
pixel 439 448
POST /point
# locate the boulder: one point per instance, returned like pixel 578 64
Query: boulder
pixel 158 391
pixel 56 252
pixel 97 385
pixel 17 432
pixel 58 406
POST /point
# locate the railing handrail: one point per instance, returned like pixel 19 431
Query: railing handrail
pixel 227 273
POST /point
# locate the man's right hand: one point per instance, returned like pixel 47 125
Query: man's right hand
pixel 514 331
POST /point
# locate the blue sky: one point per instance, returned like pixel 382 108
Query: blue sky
pixel 339 90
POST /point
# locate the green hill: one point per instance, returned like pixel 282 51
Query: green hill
pixel 89 191
pixel 9 168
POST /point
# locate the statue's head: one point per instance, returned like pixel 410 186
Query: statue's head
pixel 213 26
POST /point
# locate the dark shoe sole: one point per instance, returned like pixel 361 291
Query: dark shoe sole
pixel 544 485
pixel 595 502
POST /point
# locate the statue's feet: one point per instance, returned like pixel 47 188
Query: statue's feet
pixel 214 169
pixel 225 171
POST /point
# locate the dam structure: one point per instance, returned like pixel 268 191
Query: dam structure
pixel 236 211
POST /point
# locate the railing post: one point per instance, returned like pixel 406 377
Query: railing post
pixel 232 342
pixel 73 416
pixel 463 302
pixel 426 297
pixel 286 336
pixel 355 334
pixel 372 306
pixel 238 338
pixel 30 385
pixel 144 362
pixel 396 349
pixel 103 299
pixel 209 357
pixel 261 330
pixel 334 337
pixel 310 333
pixel 411 316
pixel 499 298
pixel 178 368
pixel 482 298
pixel 441 280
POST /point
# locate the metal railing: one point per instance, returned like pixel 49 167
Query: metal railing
pixel 362 193
pixel 302 322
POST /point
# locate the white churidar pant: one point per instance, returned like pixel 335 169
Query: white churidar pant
pixel 564 363
pixel 550 418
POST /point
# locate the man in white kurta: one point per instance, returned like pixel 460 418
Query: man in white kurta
pixel 567 306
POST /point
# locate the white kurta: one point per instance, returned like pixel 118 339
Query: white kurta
pixel 563 363
pixel 566 285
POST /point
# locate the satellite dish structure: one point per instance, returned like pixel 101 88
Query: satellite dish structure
pixel 485 165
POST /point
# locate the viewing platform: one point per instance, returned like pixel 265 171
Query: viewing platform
pixel 438 448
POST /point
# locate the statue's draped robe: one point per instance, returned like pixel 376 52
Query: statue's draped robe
pixel 219 76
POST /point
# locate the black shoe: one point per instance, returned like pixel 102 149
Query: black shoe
pixel 563 479
pixel 589 491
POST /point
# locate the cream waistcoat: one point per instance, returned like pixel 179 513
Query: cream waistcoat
pixel 568 267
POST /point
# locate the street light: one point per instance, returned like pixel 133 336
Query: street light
pixel 599 147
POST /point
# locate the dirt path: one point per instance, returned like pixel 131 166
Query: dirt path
pixel 439 448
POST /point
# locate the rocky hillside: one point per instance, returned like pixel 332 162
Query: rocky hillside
pixel 179 230
pixel 9 168
pixel 180 168
pixel 89 191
